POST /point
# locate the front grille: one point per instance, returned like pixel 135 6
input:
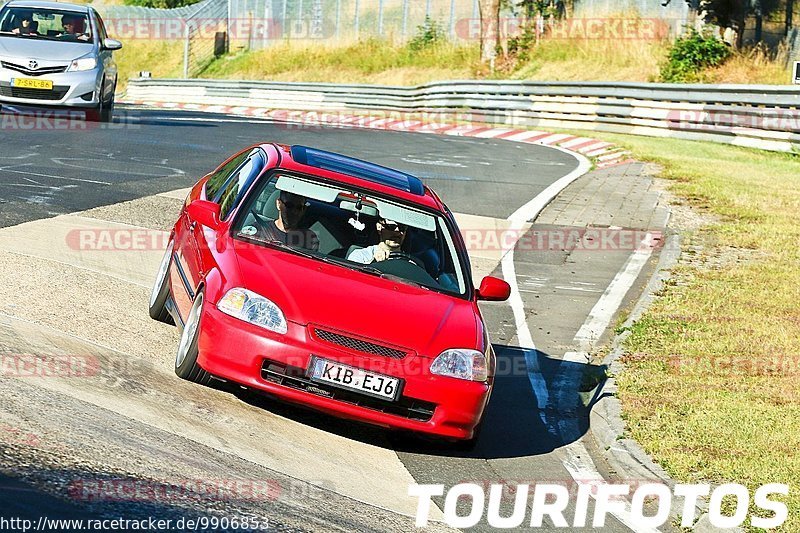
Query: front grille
pixel 359 345
pixel 295 377
pixel 33 72
pixel 57 93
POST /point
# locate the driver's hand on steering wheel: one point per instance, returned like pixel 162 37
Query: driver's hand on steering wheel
pixel 381 254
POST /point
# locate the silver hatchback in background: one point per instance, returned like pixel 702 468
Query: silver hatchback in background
pixel 56 55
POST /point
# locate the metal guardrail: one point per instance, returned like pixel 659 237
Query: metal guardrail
pixel 758 116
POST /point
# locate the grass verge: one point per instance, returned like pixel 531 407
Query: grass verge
pixel 379 61
pixel 164 59
pixel 711 382
pixel 370 61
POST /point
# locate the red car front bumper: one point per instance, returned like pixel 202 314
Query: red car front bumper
pixel 236 351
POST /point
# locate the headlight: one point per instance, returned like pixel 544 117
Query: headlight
pixel 251 307
pixel 83 63
pixel 461 364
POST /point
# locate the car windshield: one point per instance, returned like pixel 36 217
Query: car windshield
pixel 49 24
pixel 357 230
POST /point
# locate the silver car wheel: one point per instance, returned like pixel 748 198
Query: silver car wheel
pixel 189 331
pixel 161 277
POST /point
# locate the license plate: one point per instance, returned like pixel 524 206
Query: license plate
pixel 355 379
pixel 28 83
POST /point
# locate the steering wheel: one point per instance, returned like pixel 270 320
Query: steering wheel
pixel 404 256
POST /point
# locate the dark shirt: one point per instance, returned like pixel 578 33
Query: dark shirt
pixel 298 238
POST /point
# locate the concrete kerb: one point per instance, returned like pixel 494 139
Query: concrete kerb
pixel 623 454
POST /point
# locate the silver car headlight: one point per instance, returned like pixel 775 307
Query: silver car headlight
pixel 461 363
pixel 254 308
pixel 82 63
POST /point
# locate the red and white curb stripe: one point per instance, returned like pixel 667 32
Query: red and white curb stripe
pixel 604 154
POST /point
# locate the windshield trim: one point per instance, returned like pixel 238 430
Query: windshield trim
pixel 442 216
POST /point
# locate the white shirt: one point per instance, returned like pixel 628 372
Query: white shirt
pixel 364 255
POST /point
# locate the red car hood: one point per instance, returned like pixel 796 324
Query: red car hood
pixel 313 292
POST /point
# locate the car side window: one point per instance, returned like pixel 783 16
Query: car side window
pixel 101 27
pixel 239 182
pixel 218 179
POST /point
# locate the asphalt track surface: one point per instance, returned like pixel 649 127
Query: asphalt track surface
pixel 48 173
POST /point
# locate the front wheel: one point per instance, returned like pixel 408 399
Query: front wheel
pixel 104 112
pixel 186 366
pixel 160 291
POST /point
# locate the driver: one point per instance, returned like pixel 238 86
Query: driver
pixel 26 25
pixel 74 25
pixel 286 228
pixel 391 234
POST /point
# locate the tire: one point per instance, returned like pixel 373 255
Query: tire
pixel 107 110
pixel 160 290
pixel 104 112
pixel 186 366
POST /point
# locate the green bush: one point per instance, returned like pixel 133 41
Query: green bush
pixel 690 54
pixel 428 35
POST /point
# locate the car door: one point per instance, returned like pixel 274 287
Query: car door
pixel 192 259
pixel 105 58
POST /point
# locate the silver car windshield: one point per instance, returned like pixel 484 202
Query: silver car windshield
pixel 48 24
pixel 357 230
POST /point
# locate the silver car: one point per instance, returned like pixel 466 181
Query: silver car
pixel 56 55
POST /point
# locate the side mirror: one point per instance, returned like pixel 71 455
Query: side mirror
pixel 111 44
pixel 494 290
pixel 206 213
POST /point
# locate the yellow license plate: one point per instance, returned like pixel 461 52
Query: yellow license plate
pixel 27 83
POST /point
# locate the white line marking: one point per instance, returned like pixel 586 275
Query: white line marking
pixel 603 311
pixel 578 461
pixel 580 289
pixel 582 469
pixel 4 169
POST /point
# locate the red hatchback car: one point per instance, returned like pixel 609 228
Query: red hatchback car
pixel 330 282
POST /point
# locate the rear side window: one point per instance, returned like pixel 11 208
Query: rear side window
pixel 239 182
pixel 220 177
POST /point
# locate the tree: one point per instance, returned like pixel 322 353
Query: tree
pixel 490 29
pixel 733 13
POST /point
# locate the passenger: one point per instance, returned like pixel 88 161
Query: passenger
pixel 74 26
pixel 286 228
pixel 391 234
pixel 26 25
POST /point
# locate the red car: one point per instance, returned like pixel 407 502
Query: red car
pixel 330 282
